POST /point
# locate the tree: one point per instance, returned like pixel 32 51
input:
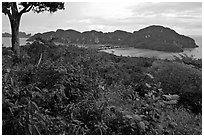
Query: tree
pixel 15 10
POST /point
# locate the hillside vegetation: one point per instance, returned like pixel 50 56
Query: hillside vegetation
pixel 66 90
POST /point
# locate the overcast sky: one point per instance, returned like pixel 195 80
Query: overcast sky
pixel 184 18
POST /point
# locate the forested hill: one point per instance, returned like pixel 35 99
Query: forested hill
pixel 152 37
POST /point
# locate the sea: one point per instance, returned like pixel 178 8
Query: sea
pixel 134 52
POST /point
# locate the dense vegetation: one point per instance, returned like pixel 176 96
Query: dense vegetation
pixel 153 37
pixel 69 90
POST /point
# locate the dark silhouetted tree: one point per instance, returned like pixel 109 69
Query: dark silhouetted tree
pixel 15 10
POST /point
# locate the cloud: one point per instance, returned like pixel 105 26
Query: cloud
pixel 133 16
pixel 168 7
pixel 109 10
pixel 86 21
pixel 184 17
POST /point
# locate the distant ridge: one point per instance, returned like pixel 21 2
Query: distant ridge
pixel 21 35
pixel 152 37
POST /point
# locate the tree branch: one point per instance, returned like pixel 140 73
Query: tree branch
pixel 26 9
pixel 9 15
pixel 7 12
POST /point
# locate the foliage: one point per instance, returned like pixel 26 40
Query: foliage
pixel 189 60
pixel 35 6
pixel 69 90
pixel 181 79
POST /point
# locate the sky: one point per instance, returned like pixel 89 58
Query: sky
pixel 184 17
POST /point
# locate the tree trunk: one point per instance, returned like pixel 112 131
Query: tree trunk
pixel 15 23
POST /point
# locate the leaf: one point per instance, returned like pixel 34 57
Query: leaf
pixel 19 122
pixel 142 125
pixel 148 85
pixel 12 83
pixel 34 105
pixel 5 77
pixel 8 70
pixel 137 117
pixel 168 117
pixel 30 129
pixel 156 98
pixel 40 117
pixel 10 103
pixel 45 90
pixel 143 116
pixel 36 128
pixel 128 116
pixel 155 116
pixel 149 75
pixel 39 60
pixel 38 94
pixel 64 133
pixel 63 122
pixel 78 130
pixel 173 124
pixel 168 97
pixel 160 89
pixel 171 97
pixel 11 110
pixel 77 121
pixel 160 128
pixel 174 97
pixel 146 122
pixel 38 89
pixel 171 102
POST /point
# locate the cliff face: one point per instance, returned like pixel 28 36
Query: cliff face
pixel 152 37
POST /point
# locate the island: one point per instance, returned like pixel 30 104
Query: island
pixel 153 37
pixel 21 35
